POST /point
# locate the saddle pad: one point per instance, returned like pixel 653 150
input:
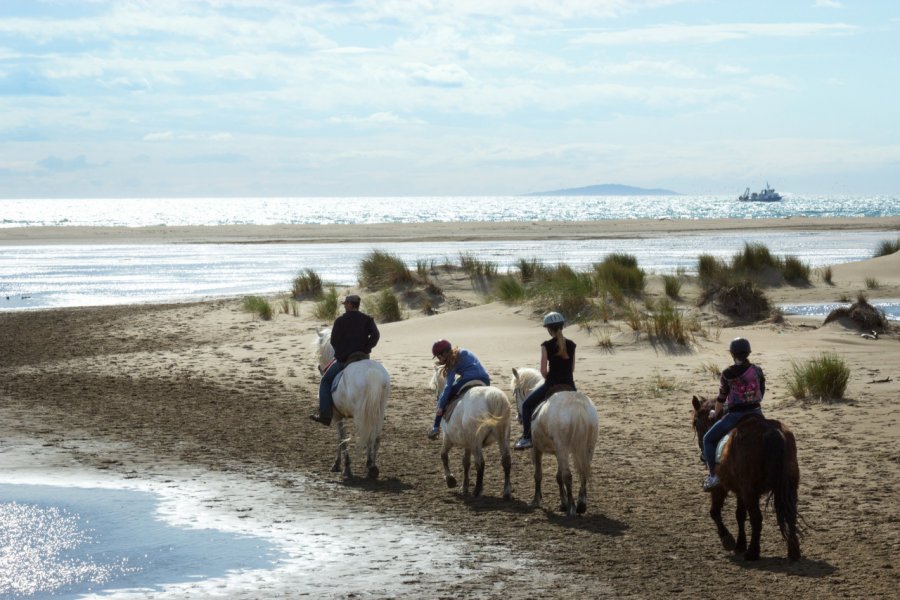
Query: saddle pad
pixel 720 447
pixel 455 399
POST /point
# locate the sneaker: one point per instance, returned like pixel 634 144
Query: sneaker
pixel 433 433
pixel 322 420
pixel 523 444
pixel 710 482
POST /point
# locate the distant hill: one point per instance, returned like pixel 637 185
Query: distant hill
pixel 607 189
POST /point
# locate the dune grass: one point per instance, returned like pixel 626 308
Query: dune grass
pixel 620 271
pixel 754 262
pixel 887 247
pixel 381 269
pixel 326 309
pixel 475 267
pixel 385 307
pixel 509 289
pixel 259 306
pixel 824 377
pixel 672 286
pixel 307 284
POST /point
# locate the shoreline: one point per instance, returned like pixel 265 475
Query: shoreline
pixel 425 232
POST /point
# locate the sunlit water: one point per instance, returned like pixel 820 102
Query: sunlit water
pixel 90 275
pixel 63 542
pixel 67 531
pixel 134 212
pixel 890 308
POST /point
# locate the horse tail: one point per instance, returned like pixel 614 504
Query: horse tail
pixel 498 416
pixel 585 429
pixel 778 479
pixel 376 390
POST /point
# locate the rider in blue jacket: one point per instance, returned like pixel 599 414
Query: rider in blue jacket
pixel 459 368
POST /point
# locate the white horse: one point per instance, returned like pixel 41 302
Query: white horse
pixel 566 425
pixel 362 394
pixel 480 418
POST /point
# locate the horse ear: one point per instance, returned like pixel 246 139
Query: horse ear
pixel 515 373
pixel 696 403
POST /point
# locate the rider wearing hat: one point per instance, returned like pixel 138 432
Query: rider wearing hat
pixel 457 363
pixel 741 390
pixel 557 367
pixel 352 332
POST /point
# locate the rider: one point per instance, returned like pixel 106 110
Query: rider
pixel 741 390
pixel 557 367
pixel 354 331
pixel 457 363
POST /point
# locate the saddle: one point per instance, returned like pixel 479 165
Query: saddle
pixel 454 400
pixel 354 357
pixel 720 447
pixel 560 387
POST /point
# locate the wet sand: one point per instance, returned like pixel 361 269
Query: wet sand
pixel 207 386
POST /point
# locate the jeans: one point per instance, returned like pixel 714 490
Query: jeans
pixel 528 406
pixel 326 402
pixel 715 433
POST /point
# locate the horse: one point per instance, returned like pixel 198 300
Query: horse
pixel 566 425
pixel 481 417
pixel 362 394
pixel 759 457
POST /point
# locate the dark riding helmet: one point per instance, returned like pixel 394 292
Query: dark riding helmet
pixel 740 347
pixel 440 347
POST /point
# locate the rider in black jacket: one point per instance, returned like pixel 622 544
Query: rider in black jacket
pixel 354 331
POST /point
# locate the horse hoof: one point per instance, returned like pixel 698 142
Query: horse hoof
pixel 348 474
pixel 582 508
pixel 373 472
pixel 748 555
pixel 563 508
pixel 451 481
pixel 728 542
pixel 335 468
pixel 477 492
pixel 507 495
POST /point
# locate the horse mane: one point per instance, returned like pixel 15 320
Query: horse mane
pixel 526 378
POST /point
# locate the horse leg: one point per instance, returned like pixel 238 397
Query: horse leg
pixel 564 479
pixel 336 466
pixel 537 459
pixel 752 552
pixel 445 460
pixel 371 456
pixel 506 461
pixel 479 471
pixel 716 502
pixel 740 513
pixel 581 508
pixel 343 447
pixel 467 462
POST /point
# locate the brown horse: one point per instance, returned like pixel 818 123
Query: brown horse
pixel 759 458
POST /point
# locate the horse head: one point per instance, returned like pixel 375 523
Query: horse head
pixel 324 349
pixel 524 381
pixel 438 381
pixel 700 418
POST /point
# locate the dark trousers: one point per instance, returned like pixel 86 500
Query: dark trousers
pixel 326 401
pixel 528 406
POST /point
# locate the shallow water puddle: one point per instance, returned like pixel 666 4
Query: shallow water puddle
pixel 73 532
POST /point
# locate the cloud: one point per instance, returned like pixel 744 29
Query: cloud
pixel 53 163
pixel 170 136
pixel 712 34
pixel 445 76
pixel 379 118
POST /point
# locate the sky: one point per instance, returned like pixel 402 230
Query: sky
pixel 260 98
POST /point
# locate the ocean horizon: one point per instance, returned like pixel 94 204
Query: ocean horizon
pixel 143 212
pixel 88 274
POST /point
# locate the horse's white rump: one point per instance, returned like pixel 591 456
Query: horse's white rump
pixel 481 417
pixel 565 424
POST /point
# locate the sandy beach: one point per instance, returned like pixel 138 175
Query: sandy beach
pixel 209 386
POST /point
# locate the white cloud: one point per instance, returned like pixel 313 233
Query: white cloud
pixel 711 34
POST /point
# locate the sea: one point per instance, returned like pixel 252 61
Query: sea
pixel 39 277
